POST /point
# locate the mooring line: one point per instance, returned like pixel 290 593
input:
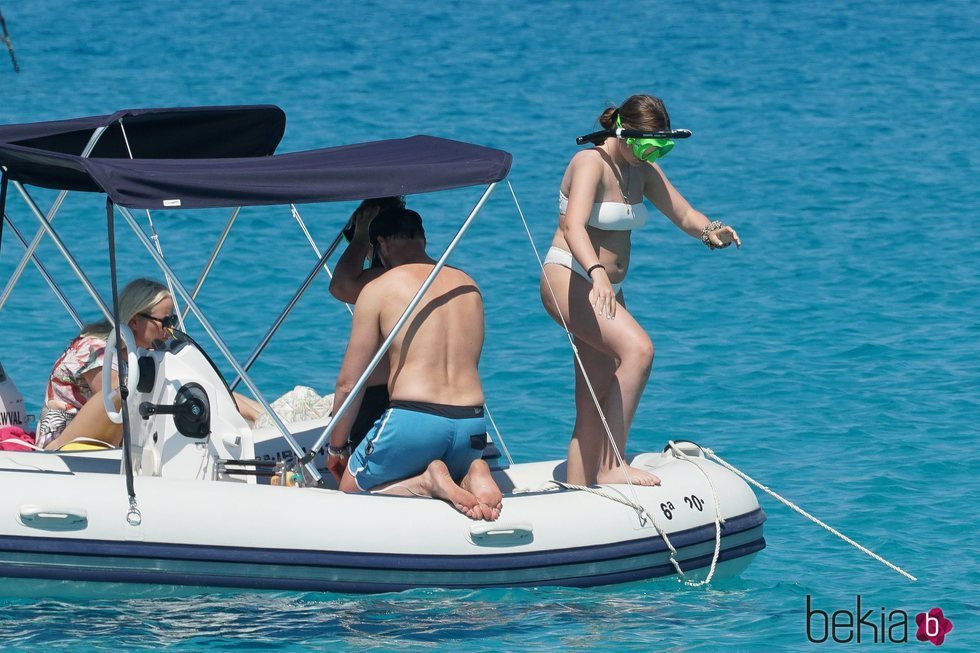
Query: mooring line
pixel 790 504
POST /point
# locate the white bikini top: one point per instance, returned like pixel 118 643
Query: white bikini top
pixel 611 216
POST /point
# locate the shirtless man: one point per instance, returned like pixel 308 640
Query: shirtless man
pixel 349 278
pixel 433 433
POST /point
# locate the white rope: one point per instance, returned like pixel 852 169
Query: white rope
pixel 571 341
pixel 500 438
pixel 663 534
pixel 156 239
pixel 316 250
pixel 597 490
pixel 681 455
pixel 790 504
pixel 641 512
pixel 202 469
pixel 718 518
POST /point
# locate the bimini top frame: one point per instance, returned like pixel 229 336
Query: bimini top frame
pixel 202 167
pixel 48 154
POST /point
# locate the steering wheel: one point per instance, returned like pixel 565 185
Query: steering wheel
pixel 109 393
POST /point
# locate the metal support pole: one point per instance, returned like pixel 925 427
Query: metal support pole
pixel 218 341
pixel 47 277
pixel 46 225
pixel 289 307
pixel 30 252
pixel 325 435
pixel 153 230
pixel 214 255
pixel 316 250
pixel 19 270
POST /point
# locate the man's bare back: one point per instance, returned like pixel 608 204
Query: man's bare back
pixel 430 440
pixel 435 357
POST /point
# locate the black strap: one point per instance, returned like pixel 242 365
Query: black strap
pixel 123 390
pixel 3 205
pixel 600 136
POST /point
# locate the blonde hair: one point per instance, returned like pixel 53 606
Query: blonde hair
pixel 139 296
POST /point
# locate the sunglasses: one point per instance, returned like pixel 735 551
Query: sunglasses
pixel 167 321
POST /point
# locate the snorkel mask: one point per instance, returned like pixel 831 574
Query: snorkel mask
pixel 647 149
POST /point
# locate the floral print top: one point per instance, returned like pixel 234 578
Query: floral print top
pixel 67 390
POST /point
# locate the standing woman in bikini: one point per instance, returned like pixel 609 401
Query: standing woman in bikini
pixel 600 203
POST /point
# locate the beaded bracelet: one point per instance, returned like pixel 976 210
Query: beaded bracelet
pixel 714 225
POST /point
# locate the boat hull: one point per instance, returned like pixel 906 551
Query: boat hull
pixel 191 533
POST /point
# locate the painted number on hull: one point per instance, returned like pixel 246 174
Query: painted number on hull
pixel 694 502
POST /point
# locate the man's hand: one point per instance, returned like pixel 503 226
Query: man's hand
pixel 362 221
pixel 337 465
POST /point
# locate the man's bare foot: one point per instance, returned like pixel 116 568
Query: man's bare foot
pixel 438 483
pixel 617 475
pixel 479 481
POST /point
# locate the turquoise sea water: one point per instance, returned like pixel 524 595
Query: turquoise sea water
pixel 834 357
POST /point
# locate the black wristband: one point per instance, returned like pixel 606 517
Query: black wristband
pixel 338 451
pixel 591 268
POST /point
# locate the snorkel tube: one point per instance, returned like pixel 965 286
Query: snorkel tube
pixel 619 132
pixel 646 146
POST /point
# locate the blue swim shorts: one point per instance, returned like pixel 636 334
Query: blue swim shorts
pixel 410 435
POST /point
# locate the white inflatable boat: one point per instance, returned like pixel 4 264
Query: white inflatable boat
pixel 197 498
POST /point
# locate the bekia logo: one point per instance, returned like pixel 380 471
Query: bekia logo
pixel 873 626
pixel 933 626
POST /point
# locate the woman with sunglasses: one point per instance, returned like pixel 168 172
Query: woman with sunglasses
pixel 600 202
pixel 145 305
pixel 69 410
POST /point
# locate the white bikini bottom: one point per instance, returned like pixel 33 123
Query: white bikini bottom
pixel 558 256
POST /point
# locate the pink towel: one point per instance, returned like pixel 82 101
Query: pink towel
pixel 9 436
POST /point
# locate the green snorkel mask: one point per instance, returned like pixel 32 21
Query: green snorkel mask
pixel 647 149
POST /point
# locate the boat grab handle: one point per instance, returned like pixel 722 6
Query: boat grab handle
pixel 502 534
pixel 55 518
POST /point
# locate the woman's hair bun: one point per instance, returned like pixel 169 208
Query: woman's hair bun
pixel 608 118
